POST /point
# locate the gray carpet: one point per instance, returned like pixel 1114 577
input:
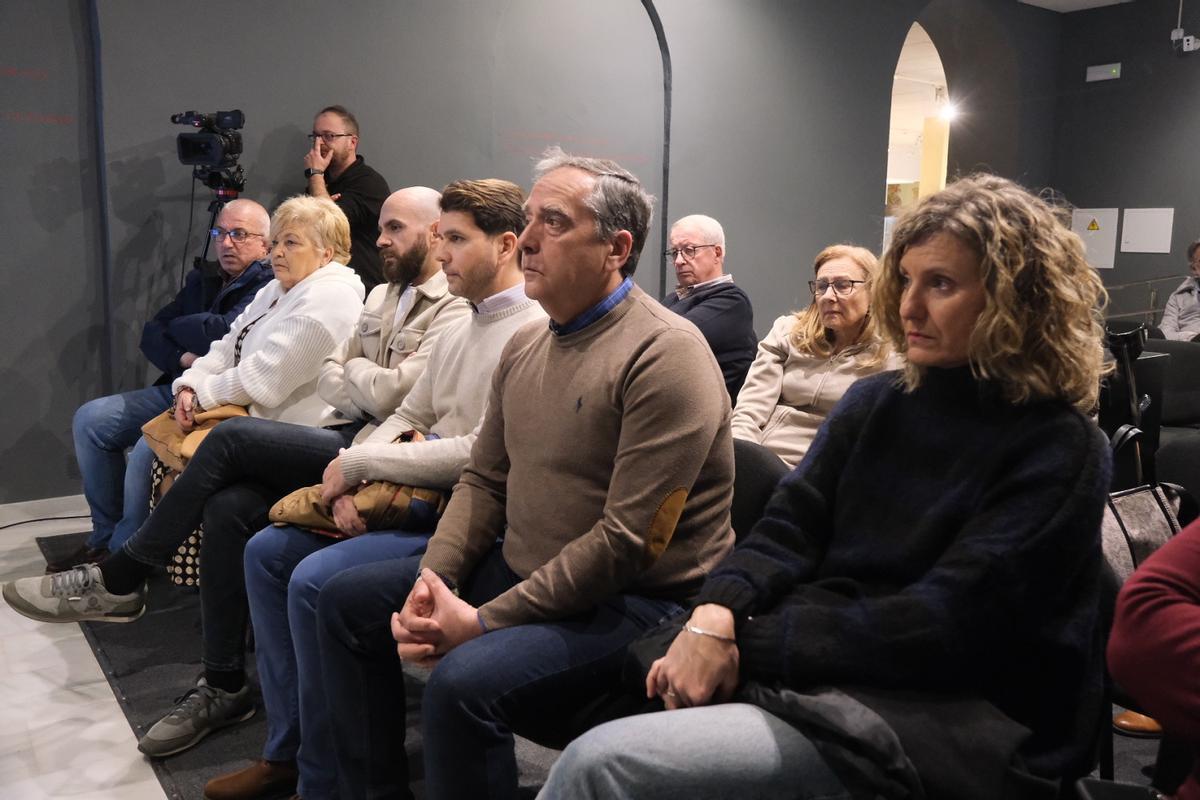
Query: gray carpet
pixel 151 662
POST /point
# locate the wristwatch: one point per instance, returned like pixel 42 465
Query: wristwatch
pixel 309 172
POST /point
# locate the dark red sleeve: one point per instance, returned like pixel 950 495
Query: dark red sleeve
pixel 1154 649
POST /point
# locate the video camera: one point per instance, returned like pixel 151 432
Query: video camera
pixel 213 151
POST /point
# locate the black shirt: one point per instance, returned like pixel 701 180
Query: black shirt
pixel 362 191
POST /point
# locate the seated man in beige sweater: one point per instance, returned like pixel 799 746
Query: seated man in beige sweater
pixel 286 566
pixel 595 501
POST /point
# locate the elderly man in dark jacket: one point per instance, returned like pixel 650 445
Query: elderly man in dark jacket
pixel 707 297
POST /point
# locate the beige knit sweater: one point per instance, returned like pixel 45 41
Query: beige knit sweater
pixel 606 454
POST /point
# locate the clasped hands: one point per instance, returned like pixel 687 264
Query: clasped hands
pixel 697 670
pixel 433 621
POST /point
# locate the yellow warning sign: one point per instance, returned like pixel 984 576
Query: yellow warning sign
pixel 1094 225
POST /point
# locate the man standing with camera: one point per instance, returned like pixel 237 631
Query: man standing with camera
pixel 335 170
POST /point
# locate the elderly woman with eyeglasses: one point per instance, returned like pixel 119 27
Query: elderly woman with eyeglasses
pixel 811 357
pixel 915 615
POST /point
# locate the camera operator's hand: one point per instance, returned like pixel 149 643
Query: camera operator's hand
pixel 315 159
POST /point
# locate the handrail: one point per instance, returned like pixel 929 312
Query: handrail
pixel 1177 278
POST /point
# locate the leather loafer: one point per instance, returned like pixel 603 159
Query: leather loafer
pixel 262 779
pixel 1131 723
pixel 83 555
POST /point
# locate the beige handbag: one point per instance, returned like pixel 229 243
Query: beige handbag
pixel 175 448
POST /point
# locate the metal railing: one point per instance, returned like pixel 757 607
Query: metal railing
pixel 1147 306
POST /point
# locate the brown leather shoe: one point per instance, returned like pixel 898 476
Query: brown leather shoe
pixel 82 555
pixel 1131 723
pixel 262 779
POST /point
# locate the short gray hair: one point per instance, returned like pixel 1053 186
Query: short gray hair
pixel 709 227
pixel 618 200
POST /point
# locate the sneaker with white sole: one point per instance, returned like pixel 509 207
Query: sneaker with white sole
pixel 75 595
pixel 198 713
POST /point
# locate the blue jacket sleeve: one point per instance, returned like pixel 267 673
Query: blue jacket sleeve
pixel 195 332
pixel 157 344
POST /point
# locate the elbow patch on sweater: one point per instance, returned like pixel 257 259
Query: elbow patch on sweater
pixel 662 527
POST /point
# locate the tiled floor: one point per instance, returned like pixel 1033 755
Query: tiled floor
pixel 62 734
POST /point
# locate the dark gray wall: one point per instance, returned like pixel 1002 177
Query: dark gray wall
pixel 780 130
pixel 51 319
pixel 442 91
pixel 1131 143
pixel 1001 63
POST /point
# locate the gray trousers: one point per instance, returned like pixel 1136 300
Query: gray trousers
pixel 717 752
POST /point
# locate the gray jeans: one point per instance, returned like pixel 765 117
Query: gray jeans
pixel 717 752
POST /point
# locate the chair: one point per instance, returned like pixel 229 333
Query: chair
pixel 1178 455
pixel 1125 548
pixel 756 473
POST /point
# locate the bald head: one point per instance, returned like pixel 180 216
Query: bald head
pixel 405 234
pixel 241 216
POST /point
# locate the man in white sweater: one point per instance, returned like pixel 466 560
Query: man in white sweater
pixel 438 421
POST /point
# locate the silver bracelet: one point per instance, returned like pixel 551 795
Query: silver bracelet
pixel 711 634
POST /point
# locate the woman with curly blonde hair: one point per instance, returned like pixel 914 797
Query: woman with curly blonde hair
pixel 1039 329
pixel 944 525
pixel 810 357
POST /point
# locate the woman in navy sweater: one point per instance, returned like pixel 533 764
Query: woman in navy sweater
pixel 915 615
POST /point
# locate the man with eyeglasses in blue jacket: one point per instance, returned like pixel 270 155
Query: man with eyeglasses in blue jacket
pixel 181 332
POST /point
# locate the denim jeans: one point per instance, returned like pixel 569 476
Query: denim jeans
pixel 117 494
pixel 242 468
pixel 704 753
pixel 476 696
pixel 285 570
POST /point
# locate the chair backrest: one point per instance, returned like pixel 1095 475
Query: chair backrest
pixel 1181 388
pixel 1136 523
pixel 756 473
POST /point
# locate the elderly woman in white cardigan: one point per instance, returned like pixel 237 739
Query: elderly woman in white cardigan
pixel 269 362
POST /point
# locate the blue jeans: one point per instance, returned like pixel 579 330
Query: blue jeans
pixel 285 570
pixel 476 696
pixel 240 470
pixel 704 753
pixel 118 494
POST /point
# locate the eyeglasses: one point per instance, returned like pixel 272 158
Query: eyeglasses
pixel 842 287
pixel 327 138
pixel 237 235
pixel 688 250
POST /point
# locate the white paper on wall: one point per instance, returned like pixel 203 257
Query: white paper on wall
pixel 1098 229
pixel 1147 230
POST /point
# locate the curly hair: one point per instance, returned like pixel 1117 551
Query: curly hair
pixel 812 337
pixel 1041 331
pixel 318 218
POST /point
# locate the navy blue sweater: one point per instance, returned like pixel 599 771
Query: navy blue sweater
pixel 199 315
pixel 938 543
pixel 724 315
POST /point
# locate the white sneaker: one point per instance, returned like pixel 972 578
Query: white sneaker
pixel 76 595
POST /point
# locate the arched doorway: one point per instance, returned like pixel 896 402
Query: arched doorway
pixel 919 131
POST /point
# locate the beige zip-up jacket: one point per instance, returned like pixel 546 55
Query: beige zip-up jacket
pixel 788 393
pixel 369 375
